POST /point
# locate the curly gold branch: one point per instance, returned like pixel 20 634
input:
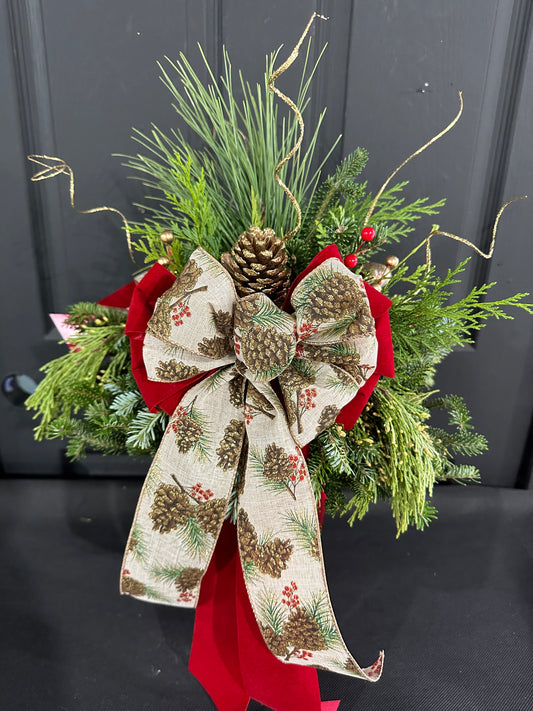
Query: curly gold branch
pixel 272 78
pixel 54 169
pixel 485 255
pixel 416 153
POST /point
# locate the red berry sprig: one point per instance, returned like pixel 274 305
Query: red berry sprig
pixel 350 260
pixel 201 494
pixel 183 312
pixel 368 233
pixel 303 654
pixel 290 597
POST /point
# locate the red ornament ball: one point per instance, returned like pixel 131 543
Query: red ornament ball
pixel 350 260
pixel 368 234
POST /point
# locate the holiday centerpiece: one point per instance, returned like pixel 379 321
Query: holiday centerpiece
pixel 246 361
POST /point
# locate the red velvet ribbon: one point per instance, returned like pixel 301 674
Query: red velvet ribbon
pixel 228 655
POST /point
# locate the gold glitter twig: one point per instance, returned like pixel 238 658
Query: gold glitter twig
pixel 51 170
pixel 417 152
pixel 487 255
pixel 272 78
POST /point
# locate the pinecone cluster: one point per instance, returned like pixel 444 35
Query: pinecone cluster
pixel 236 391
pixel 271 558
pixel 216 347
pixel 172 507
pixel 229 449
pixel 172 370
pixel 275 642
pixel 277 465
pixel 336 296
pixel 258 263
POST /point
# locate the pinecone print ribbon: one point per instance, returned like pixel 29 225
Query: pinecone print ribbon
pixel 232 444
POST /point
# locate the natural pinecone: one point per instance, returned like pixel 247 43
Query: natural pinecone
pixel 302 632
pixel 258 263
pixel 263 347
pixel 210 513
pixel 160 323
pixel 188 579
pixel 171 507
pixel 173 370
pixel 275 642
pixel 229 449
pixel 274 556
pixel 186 280
pixel 223 322
pixel 336 296
pixel 327 417
pixel 188 432
pixel 236 391
pixel 248 542
pixel 276 463
pixel 130 586
pixel 215 347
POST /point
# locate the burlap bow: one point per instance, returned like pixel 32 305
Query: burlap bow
pixel 231 445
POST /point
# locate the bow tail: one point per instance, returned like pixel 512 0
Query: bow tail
pixel 186 493
pixel 280 549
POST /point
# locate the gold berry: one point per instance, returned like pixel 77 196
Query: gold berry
pixel 392 261
pixel 166 237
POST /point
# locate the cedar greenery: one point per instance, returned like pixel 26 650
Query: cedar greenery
pixel 207 197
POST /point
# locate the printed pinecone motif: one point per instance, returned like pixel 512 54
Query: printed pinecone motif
pixel 186 280
pixel 275 642
pixel 261 348
pixel 210 513
pixel 336 296
pixel 351 666
pixel 171 507
pixel 363 325
pixel 223 322
pixel 188 432
pixel 229 449
pixel 160 323
pixel 173 370
pixel 236 391
pixel 133 543
pixel 216 347
pixel 327 417
pixel 130 586
pixel 188 579
pixel 302 632
pixel 248 542
pixel 295 380
pixel 258 400
pixel 274 556
pixel 314 548
pixel 276 465
pixel 258 263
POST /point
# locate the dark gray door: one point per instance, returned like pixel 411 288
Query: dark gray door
pixel 76 77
